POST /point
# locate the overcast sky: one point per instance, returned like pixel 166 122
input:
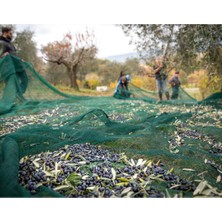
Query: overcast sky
pixel 110 39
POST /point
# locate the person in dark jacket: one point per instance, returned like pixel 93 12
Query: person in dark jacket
pixel 175 84
pixel 6 46
pixel 161 79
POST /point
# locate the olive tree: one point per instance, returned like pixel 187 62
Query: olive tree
pixel 72 52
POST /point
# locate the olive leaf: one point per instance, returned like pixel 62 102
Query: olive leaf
pixel 80 156
pixel 133 163
pixel 126 190
pixel 48 173
pixel 123 179
pixel 187 169
pixel 67 155
pixel 207 192
pixel 74 179
pixel 139 162
pixel 200 187
pixel 219 179
pixel 129 194
pixel 145 169
pixel 113 173
pixel 174 186
pixel 149 163
pixel 85 177
pixel 122 184
pixel 152 177
pixel 36 164
pixel 61 187
pixel 170 171
pixel 90 188
pixel 158 162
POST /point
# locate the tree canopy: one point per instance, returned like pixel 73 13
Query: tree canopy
pixel 26 46
pixel 72 51
pixel 189 47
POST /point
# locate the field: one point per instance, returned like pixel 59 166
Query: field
pixel 150 149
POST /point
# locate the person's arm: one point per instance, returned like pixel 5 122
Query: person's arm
pixel 155 71
pixel 149 74
pixel 3 51
pixel 117 86
pixel 4 54
pixel 169 69
pixel 172 81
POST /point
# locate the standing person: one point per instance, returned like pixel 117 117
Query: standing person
pixel 12 69
pixel 161 79
pixel 175 84
pixel 6 46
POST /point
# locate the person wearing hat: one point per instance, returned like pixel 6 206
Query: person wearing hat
pixel 175 84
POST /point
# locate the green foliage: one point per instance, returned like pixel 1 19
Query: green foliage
pixel 73 51
pixel 56 74
pixel 26 46
pixel 132 66
pixel 150 40
pixel 109 70
pixel 200 46
pixel 92 83
pixel 188 47
pixel 89 66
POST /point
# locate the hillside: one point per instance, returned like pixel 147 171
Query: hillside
pixel 123 57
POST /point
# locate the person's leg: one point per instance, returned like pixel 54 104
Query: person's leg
pixel 167 95
pixel 177 93
pixel 165 89
pixel 159 87
pixel 173 93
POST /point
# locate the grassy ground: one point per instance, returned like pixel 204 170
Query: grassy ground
pixel 84 92
pixel 194 92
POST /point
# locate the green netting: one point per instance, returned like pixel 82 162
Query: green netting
pixel 149 96
pixel 36 118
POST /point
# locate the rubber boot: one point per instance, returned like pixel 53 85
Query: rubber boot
pixel 160 96
pixel 167 96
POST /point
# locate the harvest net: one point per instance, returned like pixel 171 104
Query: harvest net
pixel 59 145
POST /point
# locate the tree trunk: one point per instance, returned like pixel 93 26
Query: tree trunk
pixel 73 78
pixel 71 71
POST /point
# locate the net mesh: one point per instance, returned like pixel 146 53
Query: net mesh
pixel 38 122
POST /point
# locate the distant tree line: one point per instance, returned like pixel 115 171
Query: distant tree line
pixel 190 48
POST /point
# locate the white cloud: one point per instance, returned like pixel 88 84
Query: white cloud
pixel 110 39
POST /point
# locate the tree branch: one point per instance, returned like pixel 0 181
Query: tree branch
pixel 58 61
